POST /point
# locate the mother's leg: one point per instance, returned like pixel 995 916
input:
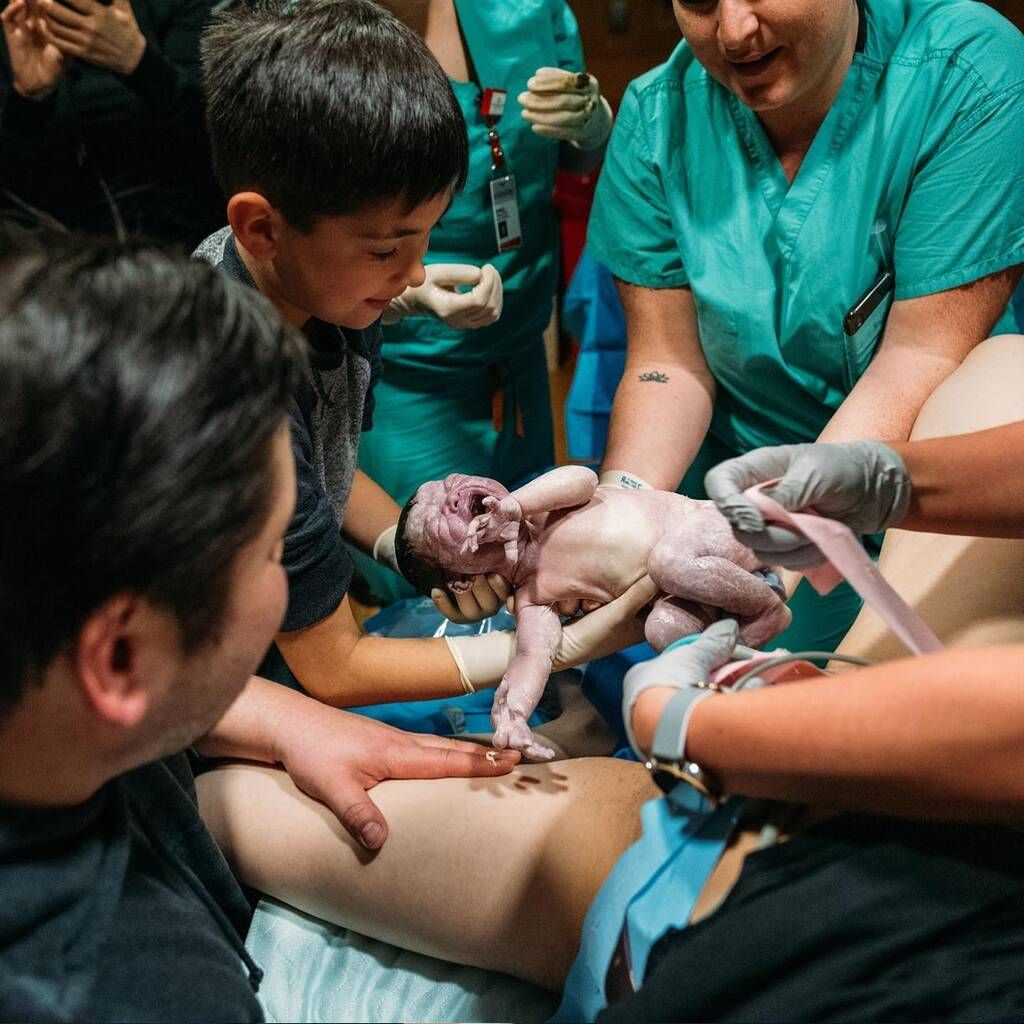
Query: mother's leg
pixel 957 584
pixel 494 873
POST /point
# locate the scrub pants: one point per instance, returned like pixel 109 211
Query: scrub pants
pixel 428 423
pixel 819 623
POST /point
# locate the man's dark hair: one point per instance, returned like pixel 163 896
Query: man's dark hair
pixel 422 574
pixel 139 394
pixel 327 106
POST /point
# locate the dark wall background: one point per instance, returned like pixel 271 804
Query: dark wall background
pixel 623 38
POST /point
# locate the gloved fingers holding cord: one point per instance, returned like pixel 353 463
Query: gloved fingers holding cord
pixel 568 106
pixel 863 485
pixel 439 296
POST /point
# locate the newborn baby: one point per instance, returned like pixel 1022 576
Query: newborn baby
pixel 560 538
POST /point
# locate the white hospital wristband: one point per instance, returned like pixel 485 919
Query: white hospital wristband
pixel 620 478
pixel 482 659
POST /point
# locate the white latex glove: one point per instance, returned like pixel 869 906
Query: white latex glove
pixel 483 659
pixel 439 296
pixel 489 592
pixel 384 549
pixel 568 106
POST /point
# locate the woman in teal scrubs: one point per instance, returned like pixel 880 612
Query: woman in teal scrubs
pixel 814 210
pixel 477 401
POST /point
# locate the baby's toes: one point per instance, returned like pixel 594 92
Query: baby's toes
pixel 536 752
pixel 519 735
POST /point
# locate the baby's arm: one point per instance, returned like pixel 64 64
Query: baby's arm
pixel 565 487
pixel 538 632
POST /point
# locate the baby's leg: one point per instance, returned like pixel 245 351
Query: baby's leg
pixel 494 873
pixel 721 583
pixel 538 632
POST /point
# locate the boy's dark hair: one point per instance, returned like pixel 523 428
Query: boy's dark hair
pixel 326 106
pixel 423 575
pixel 139 394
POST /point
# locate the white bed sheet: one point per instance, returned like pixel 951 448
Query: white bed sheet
pixel 316 972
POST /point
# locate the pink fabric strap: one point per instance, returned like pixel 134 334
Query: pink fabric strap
pixel 846 558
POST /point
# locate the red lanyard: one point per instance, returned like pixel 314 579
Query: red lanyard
pixel 502 186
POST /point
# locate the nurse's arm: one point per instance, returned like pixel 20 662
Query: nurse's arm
pixel 662 407
pixel 925 340
pixel 934 737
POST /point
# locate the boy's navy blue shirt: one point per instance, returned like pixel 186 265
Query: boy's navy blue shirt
pixel 334 406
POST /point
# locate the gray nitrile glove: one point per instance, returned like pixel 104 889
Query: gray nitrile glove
pixel 863 485
pixel 687 665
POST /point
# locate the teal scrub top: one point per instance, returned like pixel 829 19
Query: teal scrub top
pixel 918 168
pixel 507 43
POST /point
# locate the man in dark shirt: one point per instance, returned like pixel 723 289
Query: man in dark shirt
pixel 147 482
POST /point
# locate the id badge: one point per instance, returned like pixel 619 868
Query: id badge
pixel 492 103
pixel 505 208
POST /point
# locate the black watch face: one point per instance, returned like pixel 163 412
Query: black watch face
pixel 681 794
pixel 665 781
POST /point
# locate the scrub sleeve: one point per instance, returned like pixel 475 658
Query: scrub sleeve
pixel 478 401
pixel 917 170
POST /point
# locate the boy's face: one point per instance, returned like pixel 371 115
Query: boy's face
pixel 348 268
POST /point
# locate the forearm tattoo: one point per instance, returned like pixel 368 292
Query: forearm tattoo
pixel 655 377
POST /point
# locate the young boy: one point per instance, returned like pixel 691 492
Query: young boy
pixel 339 142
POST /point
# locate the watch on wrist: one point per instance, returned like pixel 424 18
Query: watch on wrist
pixel 668 775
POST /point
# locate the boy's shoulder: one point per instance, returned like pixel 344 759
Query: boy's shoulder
pixel 219 250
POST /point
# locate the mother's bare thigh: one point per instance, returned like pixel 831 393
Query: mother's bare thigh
pixel 495 873
pixel 957 584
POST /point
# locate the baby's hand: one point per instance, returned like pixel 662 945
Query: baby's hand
pixel 500 522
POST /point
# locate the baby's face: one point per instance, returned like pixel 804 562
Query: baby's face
pixel 439 522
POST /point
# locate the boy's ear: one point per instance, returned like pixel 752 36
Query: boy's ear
pixel 255 223
pixel 122 654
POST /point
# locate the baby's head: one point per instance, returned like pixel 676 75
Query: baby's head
pixel 433 527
